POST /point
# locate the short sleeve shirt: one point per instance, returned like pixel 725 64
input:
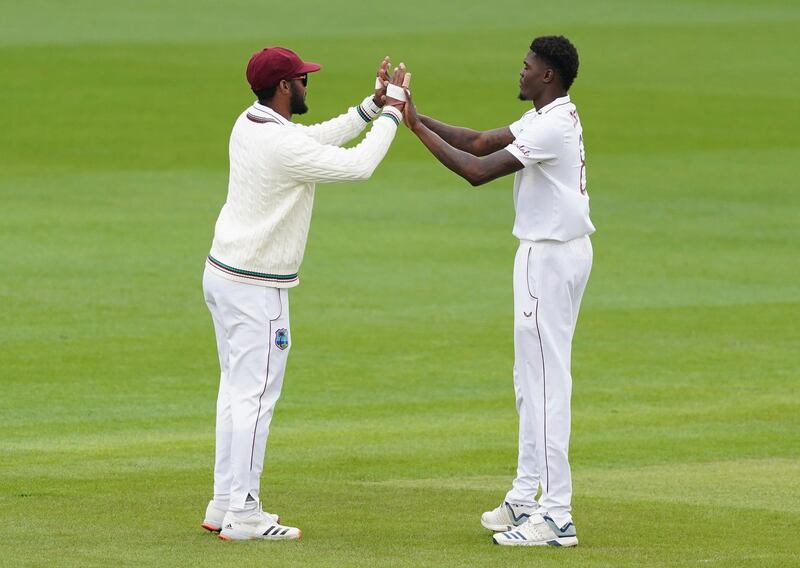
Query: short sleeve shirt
pixel 550 198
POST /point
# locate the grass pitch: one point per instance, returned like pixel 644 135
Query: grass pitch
pixel 397 428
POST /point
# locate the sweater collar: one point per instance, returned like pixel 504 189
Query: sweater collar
pixel 267 114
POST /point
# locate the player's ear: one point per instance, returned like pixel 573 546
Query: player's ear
pixel 549 75
pixel 284 86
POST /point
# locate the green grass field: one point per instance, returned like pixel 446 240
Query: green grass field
pixel 397 428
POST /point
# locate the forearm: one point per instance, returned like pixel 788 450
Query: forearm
pixel 345 127
pixel 461 138
pixel 456 160
pixel 318 163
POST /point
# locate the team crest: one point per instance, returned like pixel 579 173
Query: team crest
pixel 282 339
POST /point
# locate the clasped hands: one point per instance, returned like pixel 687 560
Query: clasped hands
pixel 394 91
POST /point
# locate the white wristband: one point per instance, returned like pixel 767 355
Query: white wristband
pixel 368 110
pixel 369 105
pixel 390 110
pixel 395 92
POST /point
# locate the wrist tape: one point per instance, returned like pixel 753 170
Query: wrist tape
pixel 395 92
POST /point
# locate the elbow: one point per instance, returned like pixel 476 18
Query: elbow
pixel 479 149
pixel 358 170
pixel 475 177
pixel 365 172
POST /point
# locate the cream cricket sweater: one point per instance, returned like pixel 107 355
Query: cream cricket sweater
pixel 261 232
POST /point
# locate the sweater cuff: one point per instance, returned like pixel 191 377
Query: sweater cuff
pixel 368 110
pixel 395 115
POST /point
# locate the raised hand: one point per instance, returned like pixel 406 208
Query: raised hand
pixel 398 77
pixel 383 80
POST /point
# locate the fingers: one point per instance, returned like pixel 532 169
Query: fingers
pixel 407 81
pixel 387 76
pixel 383 72
pixel 399 74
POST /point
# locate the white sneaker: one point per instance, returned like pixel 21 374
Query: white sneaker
pixel 257 525
pixel 215 516
pixel 539 530
pixel 507 516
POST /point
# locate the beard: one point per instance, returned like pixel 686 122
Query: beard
pixel 297 105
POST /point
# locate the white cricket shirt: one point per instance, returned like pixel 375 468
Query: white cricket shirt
pixel 550 196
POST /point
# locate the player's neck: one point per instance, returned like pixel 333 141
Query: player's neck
pixel 547 98
pixel 282 109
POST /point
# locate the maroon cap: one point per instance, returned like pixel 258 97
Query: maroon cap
pixel 272 64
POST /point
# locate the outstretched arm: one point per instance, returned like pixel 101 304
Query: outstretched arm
pixel 343 128
pixel 476 142
pixel 304 159
pixel 476 171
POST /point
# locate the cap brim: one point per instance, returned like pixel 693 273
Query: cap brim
pixel 309 67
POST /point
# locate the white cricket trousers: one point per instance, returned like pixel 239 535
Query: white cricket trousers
pixel 549 280
pixel 252 328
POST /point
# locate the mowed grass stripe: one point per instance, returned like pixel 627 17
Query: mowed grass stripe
pixel 139 98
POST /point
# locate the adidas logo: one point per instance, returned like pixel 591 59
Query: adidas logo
pixel 276 530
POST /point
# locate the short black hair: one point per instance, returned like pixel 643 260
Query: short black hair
pixel 266 93
pixel 559 52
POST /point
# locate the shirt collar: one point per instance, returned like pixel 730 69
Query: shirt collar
pixel 558 102
pixel 263 111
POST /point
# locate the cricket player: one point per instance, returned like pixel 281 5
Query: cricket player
pixel 258 245
pixel 544 149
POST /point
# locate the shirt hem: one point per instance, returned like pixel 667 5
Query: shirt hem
pixel 252 277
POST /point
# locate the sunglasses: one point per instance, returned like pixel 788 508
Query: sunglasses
pixel 302 78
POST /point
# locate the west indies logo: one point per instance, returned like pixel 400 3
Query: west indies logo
pixel 282 339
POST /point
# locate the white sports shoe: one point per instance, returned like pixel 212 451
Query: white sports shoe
pixel 215 516
pixel 257 525
pixel 539 530
pixel 507 516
